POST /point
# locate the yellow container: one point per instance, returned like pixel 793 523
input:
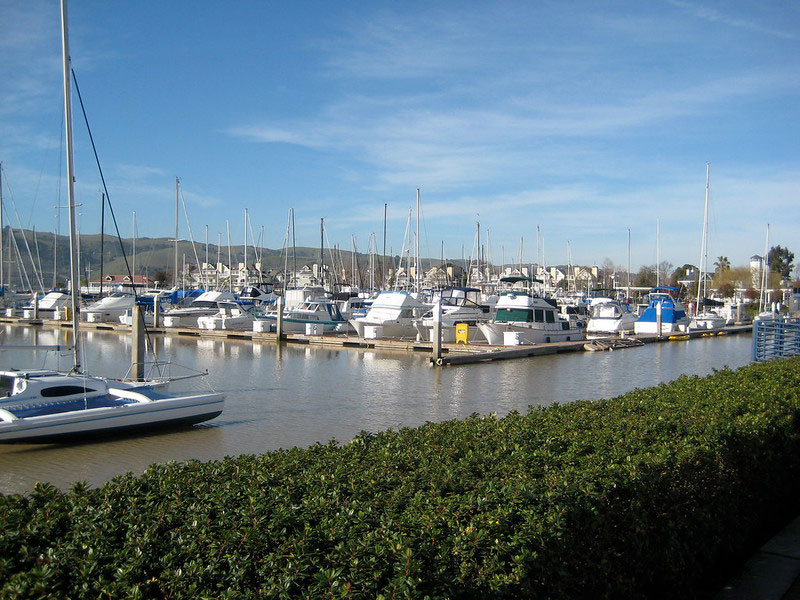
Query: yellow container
pixel 462 333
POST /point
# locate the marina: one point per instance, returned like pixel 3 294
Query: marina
pixel 298 394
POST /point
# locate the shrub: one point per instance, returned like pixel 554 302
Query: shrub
pixel 653 494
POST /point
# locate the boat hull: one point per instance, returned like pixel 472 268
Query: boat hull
pixel 494 332
pixel 167 412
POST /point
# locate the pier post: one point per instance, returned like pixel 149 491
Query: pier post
pixel 437 332
pixel 658 319
pixel 35 305
pixel 279 326
pixel 156 310
pixel 137 345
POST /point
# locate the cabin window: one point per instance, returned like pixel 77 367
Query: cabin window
pixel 6 385
pixel 64 390
pixel 506 315
pixel 539 315
pixel 550 316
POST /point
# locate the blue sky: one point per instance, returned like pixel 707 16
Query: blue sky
pixel 585 119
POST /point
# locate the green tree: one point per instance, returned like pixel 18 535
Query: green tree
pixel 722 264
pixel 160 277
pixel 726 290
pixel 646 277
pixel 781 261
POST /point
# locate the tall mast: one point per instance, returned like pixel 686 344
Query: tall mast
pixel 628 292
pixel 2 272
pixel 762 298
pixel 73 236
pixel 245 246
pixel 133 262
pixel 102 236
pixel 321 250
pixel 703 249
pixel 230 264
pixel 416 251
pixel 177 194
pixel 658 251
pixel 383 262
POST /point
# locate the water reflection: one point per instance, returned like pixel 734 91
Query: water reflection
pixel 293 395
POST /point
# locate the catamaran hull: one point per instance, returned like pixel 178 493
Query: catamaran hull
pixel 186 410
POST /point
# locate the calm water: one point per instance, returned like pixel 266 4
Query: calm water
pixel 297 395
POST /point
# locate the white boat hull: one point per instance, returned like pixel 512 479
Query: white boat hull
pixel 533 333
pixel 388 329
pixel 610 325
pixel 98 421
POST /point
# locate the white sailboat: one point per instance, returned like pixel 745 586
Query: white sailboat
pixel 706 318
pixel 40 405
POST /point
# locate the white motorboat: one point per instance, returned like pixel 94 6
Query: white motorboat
pixel 204 304
pixel 523 317
pixel 317 316
pixel 49 306
pixel 109 308
pixel 662 308
pixel 230 316
pixel 42 405
pixel 609 316
pixel 459 305
pixel 391 315
pixel 707 319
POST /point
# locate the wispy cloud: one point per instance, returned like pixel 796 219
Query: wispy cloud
pixel 715 16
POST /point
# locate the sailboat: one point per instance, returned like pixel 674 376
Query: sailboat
pixel 42 405
pixel 705 319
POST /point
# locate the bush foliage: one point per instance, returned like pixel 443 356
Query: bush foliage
pixel 651 494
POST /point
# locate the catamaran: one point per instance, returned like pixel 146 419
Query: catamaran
pixel 42 405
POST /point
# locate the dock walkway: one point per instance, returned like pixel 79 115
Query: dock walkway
pixel 451 354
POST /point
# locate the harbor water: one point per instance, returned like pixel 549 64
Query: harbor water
pixel 296 395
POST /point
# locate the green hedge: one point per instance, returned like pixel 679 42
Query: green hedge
pixel 653 494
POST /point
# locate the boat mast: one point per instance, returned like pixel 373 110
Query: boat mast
pixel 73 238
pixel 133 262
pixel 703 249
pixel 2 272
pixel 628 292
pixel 658 252
pixel 177 194
pixel 102 237
pixel 762 298
pixel 416 251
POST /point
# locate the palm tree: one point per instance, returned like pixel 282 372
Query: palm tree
pixel 722 264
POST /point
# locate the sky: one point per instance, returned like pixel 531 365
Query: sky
pixel 558 126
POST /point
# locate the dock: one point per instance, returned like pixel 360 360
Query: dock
pixel 451 353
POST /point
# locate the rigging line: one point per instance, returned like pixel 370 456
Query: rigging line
pixel 111 209
pixel 191 236
pixel 37 275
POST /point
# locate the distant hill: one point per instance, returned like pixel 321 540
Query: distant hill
pixel 50 253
